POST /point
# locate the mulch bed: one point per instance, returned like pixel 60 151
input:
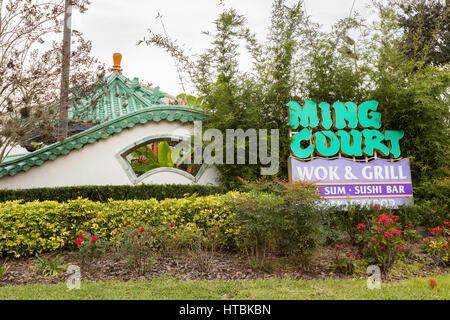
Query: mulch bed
pixel 223 265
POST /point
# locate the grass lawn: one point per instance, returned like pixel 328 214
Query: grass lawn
pixel 285 289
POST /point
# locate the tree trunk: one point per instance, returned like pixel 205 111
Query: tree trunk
pixel 65 72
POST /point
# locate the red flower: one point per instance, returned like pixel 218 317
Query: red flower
pixel 141 230
pixel 81 236
pixel 337 246
pixel 444 244
pixel 94 238
pixel 172 225
pixel 446 223
pixel 175 237
pixel 78 242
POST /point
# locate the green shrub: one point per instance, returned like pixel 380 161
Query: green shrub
pixel 426 213
pixel 104 193
pixel 298 221
pixel 257 219
pixel 437 190
pixel 35 227
pixel 332 225
pixel 287 221
pixel 431 204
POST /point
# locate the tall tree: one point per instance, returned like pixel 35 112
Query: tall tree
pixel 65 72
pixel 240 99
pixel 426 29
pixel 30 70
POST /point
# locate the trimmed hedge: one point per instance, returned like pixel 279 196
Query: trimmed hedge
pixel 35 227
pixel 103 193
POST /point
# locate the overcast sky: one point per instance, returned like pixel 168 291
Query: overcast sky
pixel 117 25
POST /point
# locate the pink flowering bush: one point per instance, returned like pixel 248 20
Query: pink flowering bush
pixel 384 239
pixel 437 243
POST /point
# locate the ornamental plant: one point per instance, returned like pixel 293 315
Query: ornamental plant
pixel 384 239
pixel 3 268
pixel 286 221
pixel 203 247
pixel 345 261
pixel 171 237
pixel 50 267
pixel 90 247
pixel 138 246
pixel 437 243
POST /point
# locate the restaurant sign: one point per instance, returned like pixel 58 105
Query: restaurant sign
pixel 344 180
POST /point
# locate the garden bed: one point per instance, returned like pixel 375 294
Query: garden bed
pixel 223 265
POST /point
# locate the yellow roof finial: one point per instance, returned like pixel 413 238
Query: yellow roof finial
pixel 117 57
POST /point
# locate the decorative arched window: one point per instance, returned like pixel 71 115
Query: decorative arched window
pixel 162 153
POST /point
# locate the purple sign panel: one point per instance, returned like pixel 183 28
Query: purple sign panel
pixel 344 181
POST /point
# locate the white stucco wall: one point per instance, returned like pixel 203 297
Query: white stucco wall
pixel 97 164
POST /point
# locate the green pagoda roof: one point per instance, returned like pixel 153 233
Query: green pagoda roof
pixel 125 104
pixel 119 97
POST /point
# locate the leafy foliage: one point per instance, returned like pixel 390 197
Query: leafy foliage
pixel 3 268
pixel 147 160
pixel 35 227
pixel 426 29
pixel 50 267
